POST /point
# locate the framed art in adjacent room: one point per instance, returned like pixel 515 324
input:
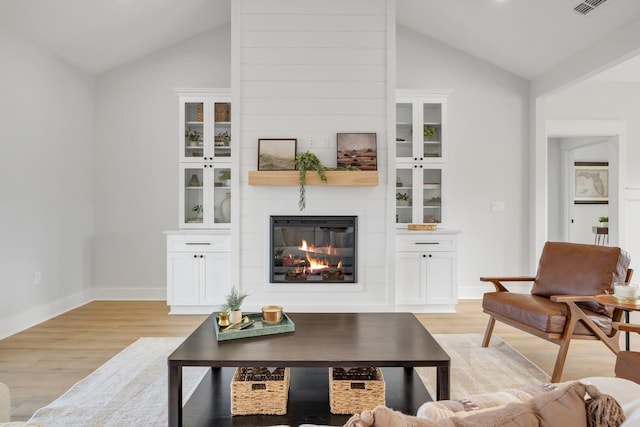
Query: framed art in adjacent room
pixel 591 183
pixel 277 154
pixel 358 150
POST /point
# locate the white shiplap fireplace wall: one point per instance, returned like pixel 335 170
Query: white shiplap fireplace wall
pixel 310 69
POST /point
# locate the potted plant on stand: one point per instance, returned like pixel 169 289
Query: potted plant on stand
pixel 604 221
pixel 233 305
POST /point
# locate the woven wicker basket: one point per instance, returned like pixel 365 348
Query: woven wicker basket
pixel 222 112
pixel 355 394
pixel 200 113
pixel 254 392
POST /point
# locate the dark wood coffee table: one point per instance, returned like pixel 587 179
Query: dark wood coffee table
pixel 321 340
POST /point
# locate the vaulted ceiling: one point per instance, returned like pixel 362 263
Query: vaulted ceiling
pixel 525 37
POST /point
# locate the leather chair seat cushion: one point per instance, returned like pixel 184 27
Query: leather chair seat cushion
pixel 539 312
pixel 628 365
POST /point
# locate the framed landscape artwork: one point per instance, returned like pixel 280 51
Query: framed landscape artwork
pixel 277 154
pixel 358 150
pixel 591 183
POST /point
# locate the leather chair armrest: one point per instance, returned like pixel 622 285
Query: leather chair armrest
pixel 572 298
pixel 497 281
pixel 627 327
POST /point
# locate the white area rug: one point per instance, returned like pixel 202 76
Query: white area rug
pixel 131 388
pixel 475 369
pixel 128 390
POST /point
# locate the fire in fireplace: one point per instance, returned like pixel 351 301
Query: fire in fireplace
pixel 313 249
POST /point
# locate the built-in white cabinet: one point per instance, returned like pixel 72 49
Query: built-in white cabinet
pixel 198 271
pixel 205 144
pixel 199 258
pixel 426 269
pixel 421 144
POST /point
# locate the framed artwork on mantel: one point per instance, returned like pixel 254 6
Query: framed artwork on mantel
pixel 277 154
pixel 591 183
pixel 358 150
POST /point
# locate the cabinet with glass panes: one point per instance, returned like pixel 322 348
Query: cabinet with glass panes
pixel 206 148
pixel 420 149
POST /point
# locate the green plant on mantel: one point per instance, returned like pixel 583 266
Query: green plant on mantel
pixel 308 162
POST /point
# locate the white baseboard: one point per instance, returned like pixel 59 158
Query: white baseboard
pixel 21 321
pixel 129 294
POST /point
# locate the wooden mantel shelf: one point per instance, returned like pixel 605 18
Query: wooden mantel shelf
pixel 341 178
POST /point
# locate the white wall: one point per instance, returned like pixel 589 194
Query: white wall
pixel 487 160
pixel 136 161
pixel 593 100
pixel 317 70
pixel 46 121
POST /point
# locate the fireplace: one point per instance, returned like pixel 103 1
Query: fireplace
pixel 313 249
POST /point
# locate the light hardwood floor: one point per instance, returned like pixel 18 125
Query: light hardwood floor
pixel 41 363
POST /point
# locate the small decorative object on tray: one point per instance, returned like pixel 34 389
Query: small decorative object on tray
pixel 427 227
pixel 253 325
pixel 272 314
pixel 355 390
pixel 260 391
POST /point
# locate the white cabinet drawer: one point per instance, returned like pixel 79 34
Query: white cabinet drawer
pixel 199 243
pixel 425 242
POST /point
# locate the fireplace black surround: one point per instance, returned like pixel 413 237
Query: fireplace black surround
pixel 313 249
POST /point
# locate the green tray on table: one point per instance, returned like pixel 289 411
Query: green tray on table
pixel 259 328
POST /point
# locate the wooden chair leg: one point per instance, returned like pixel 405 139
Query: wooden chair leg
pixel 562 357
pixel 488 332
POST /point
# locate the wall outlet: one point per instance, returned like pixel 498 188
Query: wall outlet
pixel 497 206
pixel 37 278
pixel 318 142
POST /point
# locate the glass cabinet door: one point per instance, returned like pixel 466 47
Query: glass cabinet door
pixel 404 196
pixel 222 129
pixel 193 130
pixel 193 207
pixel 404 131
pixel 431 196
pixel 431 131
pixel 221 195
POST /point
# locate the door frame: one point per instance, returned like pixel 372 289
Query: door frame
pixel 617 131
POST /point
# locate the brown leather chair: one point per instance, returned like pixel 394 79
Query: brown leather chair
pixel 628 362
pixel 561 306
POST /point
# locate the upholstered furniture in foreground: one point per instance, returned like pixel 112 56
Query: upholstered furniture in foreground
pixel 593 402
pixel 628 362
pixel 561 304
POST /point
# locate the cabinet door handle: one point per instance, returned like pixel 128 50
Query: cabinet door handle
pixel 426 243
pixel 421 159
pixel 424 256
pixel 195 256
pixel 202 256
pixel 198 243
pixel 420 166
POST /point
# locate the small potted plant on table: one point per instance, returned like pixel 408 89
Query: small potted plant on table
pixel 233 305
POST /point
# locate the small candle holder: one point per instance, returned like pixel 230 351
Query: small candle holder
pixel 625 292
pixel 223 318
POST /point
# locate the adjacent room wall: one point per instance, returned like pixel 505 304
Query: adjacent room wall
pixel 136 161
pixel 46 163
pixel 487 160
pixel 594 100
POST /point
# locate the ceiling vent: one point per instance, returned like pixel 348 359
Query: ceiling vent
pixel 587 6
